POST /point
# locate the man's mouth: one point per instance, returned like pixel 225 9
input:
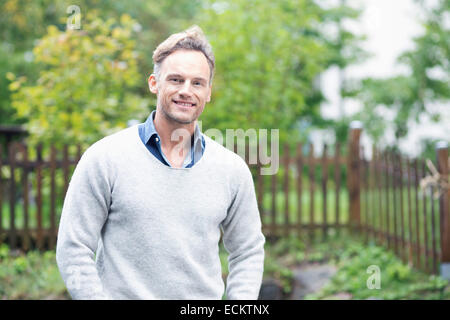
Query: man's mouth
pixel 184 103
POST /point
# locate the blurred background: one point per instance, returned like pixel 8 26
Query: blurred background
pixel 72 72
pixel 306 67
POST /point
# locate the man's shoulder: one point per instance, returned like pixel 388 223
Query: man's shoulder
pixel 114 142
pixel 224 157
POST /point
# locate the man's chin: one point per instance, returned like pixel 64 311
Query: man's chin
pixel 180 118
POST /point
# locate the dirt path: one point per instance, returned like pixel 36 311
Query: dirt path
pixel 310 278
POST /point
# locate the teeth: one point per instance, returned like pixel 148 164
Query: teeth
pixel 185 104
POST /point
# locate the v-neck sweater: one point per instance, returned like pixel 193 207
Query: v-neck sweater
pixel 134 228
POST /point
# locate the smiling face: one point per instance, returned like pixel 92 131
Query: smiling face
pixel 183 86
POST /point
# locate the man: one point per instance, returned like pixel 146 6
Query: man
pixel 145 207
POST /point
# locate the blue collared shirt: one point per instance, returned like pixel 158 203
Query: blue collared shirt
pixel 152 141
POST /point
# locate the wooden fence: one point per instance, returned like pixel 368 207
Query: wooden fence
pixel 297 199
pixel 379 199
pixel 33 181
pixel 405 207
pixel 393 201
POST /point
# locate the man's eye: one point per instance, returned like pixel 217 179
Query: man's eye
pixel 175 80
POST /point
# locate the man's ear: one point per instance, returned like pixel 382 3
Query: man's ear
pixel 152 84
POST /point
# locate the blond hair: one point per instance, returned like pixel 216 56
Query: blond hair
pixel 190 39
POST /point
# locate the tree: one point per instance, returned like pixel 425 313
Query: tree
pixel 269 56
pixel 86 86
pixel 22 23
pixel 412 95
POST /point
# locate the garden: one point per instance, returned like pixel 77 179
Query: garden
pixel 351 212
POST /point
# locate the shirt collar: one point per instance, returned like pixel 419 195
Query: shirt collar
pixel 150 131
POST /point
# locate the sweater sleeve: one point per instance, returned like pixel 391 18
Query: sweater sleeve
pixel 244 241
pixel 84 213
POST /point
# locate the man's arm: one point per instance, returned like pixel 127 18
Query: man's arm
pixel 244 241
pixel 84 213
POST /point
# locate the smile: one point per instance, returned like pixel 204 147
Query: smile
pixel 184 104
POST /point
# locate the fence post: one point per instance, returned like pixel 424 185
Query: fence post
pixel 444 213
pixel 12 197
pixel 354 175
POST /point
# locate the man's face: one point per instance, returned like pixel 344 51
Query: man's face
pixel 183 86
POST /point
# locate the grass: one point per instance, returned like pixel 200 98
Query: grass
pixel 32 215
pixel 397 281
pixel 33 275
pixel 305 207
pixel 352 259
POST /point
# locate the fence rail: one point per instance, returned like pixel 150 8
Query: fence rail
pixel 379 199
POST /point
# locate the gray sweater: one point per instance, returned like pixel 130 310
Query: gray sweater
pixel 133 228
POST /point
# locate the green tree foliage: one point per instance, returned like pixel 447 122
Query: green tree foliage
pixel 408 96
pixel 269 55
pixel 23 23
pixel 85 89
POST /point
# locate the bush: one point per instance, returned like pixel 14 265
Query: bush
pixel 33 275
pixel 397 280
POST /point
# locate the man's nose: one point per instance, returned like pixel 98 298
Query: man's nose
pixel 185 90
